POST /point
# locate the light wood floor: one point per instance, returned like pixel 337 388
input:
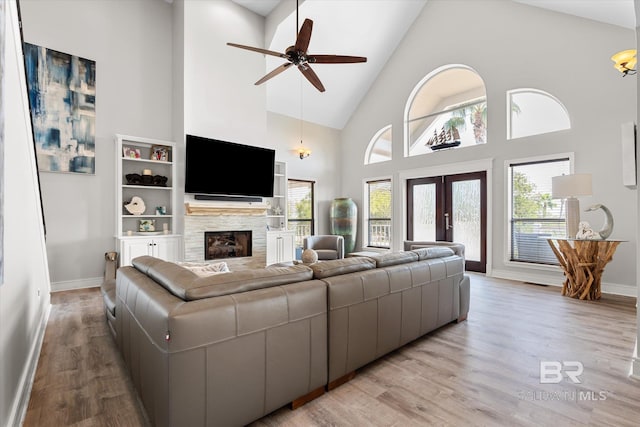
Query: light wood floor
pixel 485 371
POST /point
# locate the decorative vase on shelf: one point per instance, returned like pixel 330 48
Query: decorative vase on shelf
pixel 344 221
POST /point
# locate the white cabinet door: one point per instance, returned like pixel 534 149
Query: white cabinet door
pixel 280 246
pixel 166 249
pixel 272 247
pixel 288 246
pixel 134 248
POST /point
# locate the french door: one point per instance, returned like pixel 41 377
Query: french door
pixel 451 208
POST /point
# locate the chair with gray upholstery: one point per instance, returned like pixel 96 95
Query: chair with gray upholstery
pixel 327 246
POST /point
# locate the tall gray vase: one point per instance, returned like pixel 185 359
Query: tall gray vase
pixel 344 221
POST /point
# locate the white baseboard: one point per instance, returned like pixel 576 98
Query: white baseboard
pixel 69 285
pixel 526 276
pixel 21 402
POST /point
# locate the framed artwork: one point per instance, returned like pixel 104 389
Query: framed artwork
pixel 160 152
pixel 62 95
pixel 130 152
pixel 146 225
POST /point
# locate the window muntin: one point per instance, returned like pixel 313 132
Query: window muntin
pixel 449 104
pixel 534 112
pixel 534 215
pixel 379 149
pixel 300 208
pixel 379 215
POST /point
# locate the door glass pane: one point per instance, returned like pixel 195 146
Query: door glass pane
pixel 466 217
pixel 424 212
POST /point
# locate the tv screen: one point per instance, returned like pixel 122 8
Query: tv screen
pixel 227 168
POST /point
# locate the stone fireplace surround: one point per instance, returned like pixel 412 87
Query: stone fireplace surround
pixel 211 217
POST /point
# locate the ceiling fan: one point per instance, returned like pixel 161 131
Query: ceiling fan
pixel 297 55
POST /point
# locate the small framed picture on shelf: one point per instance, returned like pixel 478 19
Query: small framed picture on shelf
pixel 146 225
pixel 160 153
pixel 130 152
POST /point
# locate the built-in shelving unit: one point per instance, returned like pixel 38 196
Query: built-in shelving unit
pixel 280 241
pixel 277 205
pixel 152 171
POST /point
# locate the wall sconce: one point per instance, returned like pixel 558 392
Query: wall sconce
pixel 569 187
pixel 625 61
pixel 303 152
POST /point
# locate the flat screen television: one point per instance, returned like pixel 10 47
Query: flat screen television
pixel 214 167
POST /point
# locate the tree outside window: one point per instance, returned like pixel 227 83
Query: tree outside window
pixel 535 216
pixel 379 215
pixel 300 209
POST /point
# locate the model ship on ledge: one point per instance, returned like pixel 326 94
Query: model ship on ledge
pixel 445 139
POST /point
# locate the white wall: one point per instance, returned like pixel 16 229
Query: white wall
pixel 511 46
pixel 221 101
pixel 131 42
pixel 635 370
pixel 322 166
pixel 24 296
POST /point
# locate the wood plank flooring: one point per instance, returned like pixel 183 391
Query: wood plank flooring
pixel 484 371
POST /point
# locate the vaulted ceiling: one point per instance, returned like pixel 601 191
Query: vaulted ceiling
pixel 370 28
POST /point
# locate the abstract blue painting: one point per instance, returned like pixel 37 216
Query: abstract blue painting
pixel 62 96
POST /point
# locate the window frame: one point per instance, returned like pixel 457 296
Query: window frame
pixel 509 206
pixel 311 220
pixel 416 90
pixel 367 218
pixel 372 145
pixel 509 97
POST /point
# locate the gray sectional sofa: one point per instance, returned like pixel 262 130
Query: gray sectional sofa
pixel 230 348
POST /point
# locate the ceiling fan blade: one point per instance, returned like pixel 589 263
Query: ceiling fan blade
pixel 335 59
pixel 259 50
pixel 274 73
pixel 306 70
pixel 302 41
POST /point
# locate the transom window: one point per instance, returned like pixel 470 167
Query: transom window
pixel 379 149
pixel 534 112
pixel 448 108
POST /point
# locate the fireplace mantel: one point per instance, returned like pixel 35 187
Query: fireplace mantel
pixel 210 210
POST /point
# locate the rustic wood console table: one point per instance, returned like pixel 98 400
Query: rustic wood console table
pixel 583 262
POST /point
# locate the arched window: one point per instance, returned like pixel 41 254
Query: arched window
pixel 448 108
pixel 533 112
pixel 379 149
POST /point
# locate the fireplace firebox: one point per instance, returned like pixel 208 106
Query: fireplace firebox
pixel 227 244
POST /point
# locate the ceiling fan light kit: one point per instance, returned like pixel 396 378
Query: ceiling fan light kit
pixel 297 55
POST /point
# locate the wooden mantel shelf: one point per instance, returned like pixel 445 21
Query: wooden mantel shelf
pixel 209 210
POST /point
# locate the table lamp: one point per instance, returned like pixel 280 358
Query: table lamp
pixel 569 187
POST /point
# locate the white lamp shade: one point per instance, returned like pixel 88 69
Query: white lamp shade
pixel 564 186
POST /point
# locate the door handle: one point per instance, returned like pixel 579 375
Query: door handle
pixel 447 225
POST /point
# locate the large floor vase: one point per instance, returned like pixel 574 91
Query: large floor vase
pixel 344 221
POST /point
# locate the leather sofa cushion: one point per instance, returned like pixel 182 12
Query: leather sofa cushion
pixel 108 289
pixel 433 252
pixel 188 286
pixel 341 266
pixel 394 258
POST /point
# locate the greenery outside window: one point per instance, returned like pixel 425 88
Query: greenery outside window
pixel 448 108
pixel 300 208
pixel 379 215
pixel 534 215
